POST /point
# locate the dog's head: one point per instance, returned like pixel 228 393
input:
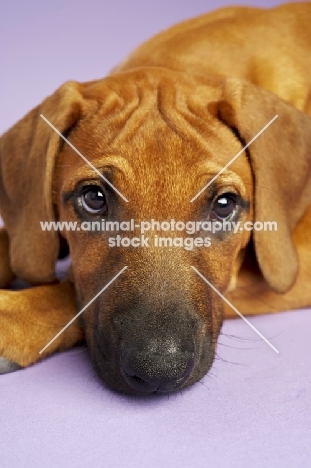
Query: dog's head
pixel 155 138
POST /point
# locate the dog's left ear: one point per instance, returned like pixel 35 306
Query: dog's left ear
pixel 27 157
pixel 280 159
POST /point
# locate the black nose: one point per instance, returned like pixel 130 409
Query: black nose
pixel 157 367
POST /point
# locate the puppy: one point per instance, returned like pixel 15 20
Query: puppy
pixel 156 140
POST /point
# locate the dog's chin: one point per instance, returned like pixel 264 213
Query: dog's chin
pixel 111 373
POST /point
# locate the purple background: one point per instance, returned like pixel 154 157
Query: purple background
pixel 44 43
pixel 252 410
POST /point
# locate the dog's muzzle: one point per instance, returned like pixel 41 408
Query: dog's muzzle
pixel 153 350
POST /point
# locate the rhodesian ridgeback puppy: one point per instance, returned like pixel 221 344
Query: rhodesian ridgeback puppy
pixel 159 128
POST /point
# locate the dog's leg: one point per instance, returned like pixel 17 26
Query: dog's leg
pixel 6 274
pixel 30 318
pixel 253 295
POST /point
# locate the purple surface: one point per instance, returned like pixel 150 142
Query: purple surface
pixel 252 411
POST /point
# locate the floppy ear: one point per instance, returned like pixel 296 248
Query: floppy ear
pixel 27 155
pixel 281 163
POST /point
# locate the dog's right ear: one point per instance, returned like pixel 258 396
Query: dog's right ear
pixel 281 163
pixel 27 157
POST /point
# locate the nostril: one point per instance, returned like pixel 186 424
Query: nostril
pixel 135 378
pixel 138 379
pixel 139 383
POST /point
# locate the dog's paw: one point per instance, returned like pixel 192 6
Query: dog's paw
pixel 7 366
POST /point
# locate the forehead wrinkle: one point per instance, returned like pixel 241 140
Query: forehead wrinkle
pixel 186 113
pixel 124 108
pixel 160 103
pixel 144 112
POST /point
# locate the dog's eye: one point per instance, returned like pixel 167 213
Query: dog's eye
pixel 224 206
pixel 93 200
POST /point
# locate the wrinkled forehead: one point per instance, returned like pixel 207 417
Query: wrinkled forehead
pixel 155 131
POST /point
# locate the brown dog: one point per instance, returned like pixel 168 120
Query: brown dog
pixel 159 128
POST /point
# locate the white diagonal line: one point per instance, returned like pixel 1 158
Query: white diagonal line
pixel 235 310
pixel 82 310
pixel 233 159
pixel 84 158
